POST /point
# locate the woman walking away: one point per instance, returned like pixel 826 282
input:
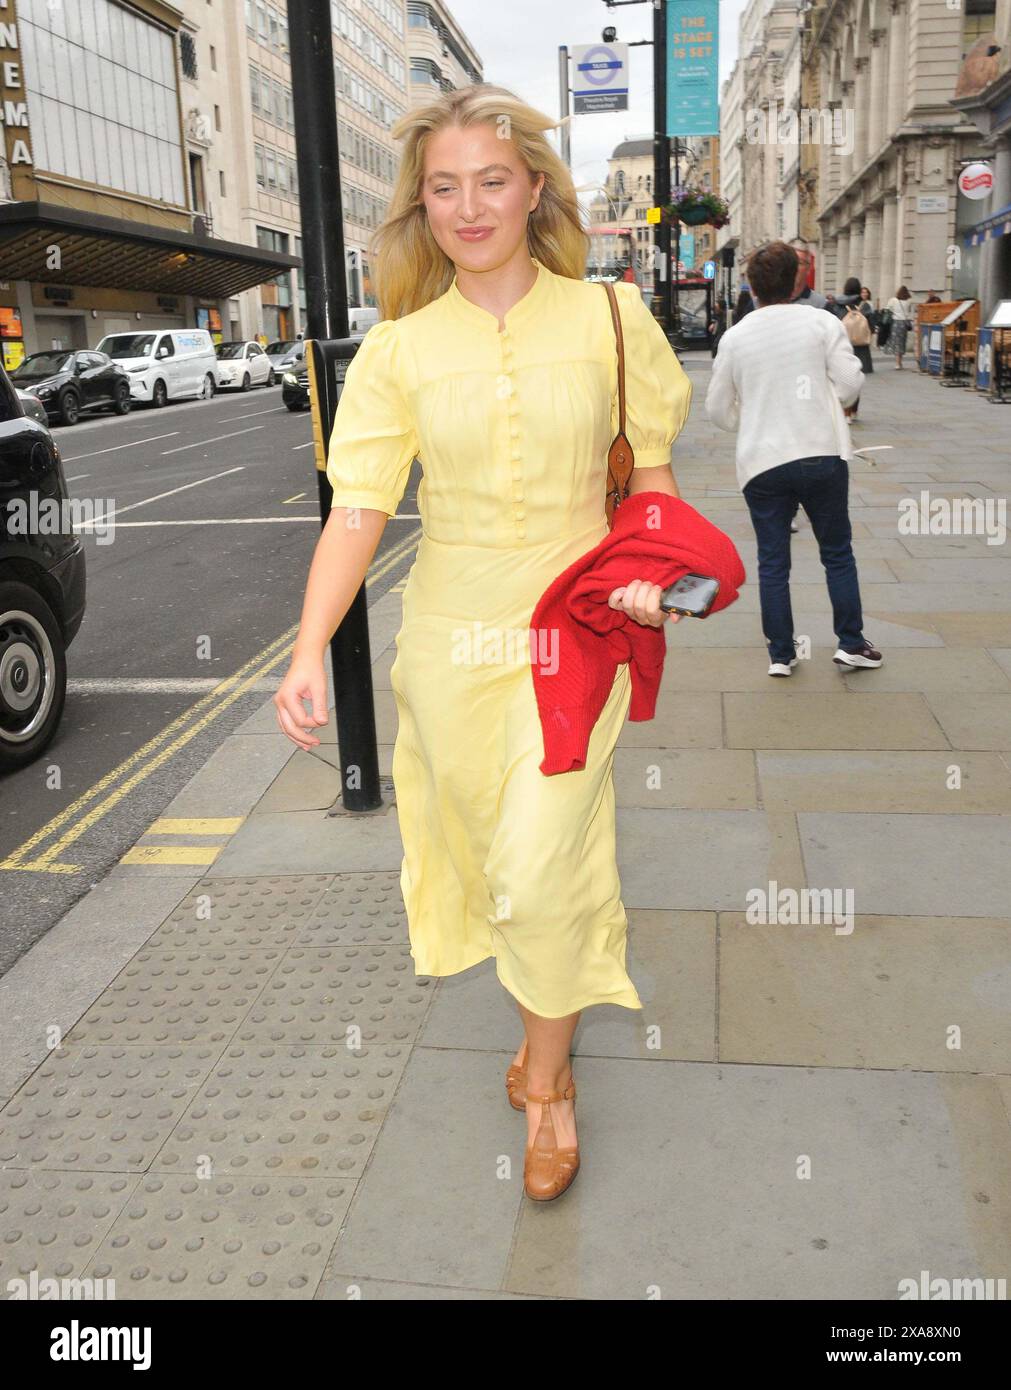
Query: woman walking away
pixel 866 306
pixel 780 379
pixel 495 364
pixel 744 304
pixel 717 326
pixel 900 316
pixel 858 330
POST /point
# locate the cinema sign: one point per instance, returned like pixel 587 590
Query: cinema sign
pixel 13 106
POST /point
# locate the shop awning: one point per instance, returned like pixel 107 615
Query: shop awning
pixel 996 225
pixel 115 254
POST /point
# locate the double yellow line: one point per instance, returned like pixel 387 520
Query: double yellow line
pixel 89 808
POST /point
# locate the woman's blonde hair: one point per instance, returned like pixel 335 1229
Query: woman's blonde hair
pixel 410 267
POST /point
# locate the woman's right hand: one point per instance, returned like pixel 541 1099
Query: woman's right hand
pixel 306 679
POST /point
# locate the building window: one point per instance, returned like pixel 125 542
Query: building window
pixel 214 60
pixel 979 19
pixel 221 182
pixel 217 118
pixel 188 54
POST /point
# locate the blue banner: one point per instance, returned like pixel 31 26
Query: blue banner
pixel 693 54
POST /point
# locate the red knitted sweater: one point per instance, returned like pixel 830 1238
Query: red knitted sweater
pixel 577 642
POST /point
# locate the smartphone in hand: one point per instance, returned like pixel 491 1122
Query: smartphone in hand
pixel 693 595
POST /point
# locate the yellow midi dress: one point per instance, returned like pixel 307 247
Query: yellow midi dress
pixel 511 428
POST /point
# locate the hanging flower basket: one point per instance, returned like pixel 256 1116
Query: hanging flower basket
pixel 696 207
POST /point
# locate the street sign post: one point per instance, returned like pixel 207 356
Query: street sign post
pixel 600 77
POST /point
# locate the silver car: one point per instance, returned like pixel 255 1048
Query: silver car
pixel 284 353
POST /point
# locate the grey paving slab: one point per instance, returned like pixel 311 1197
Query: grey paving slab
pixel 107 1109
pixel 740 629
pixel 325 995
pixel 286 1109
pixel 680 720
pixel 945 669
pixel 346 1286
pixel 691 1186
pixel 973 721
pixel 980 596
pixel 438 1203
pixel 1002 656
pixel 907 865
pixel 671 958
pixel 939 547
pixel 952 571
pixel 787 718
pixel 701 778
pixel 242 913
pixel 970 629
pixel 54 983
pixel 885 995
pixel 53 1222
pixel 739 668
pixel 356 909
pixel 311 781
pixel 233 779
pixel 701 860
pixel 813 780
pixel 243 1238
pixel 310 842
pixel 178 995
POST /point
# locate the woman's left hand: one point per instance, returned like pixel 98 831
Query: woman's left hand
pixel 641 601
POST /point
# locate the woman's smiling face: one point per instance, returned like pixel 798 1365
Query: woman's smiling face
pixel 478 194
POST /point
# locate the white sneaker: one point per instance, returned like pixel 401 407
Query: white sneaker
pixel 781 668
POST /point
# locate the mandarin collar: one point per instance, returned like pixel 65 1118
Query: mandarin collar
pixel 484 318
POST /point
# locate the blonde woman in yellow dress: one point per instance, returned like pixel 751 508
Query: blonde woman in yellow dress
pixel 494 364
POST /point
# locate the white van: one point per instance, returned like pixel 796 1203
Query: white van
pixel 360 320
pixel 165 364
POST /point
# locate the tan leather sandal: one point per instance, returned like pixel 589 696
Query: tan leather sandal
pixel 547 1169
pixel 516 1081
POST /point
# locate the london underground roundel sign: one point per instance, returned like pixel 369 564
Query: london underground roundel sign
pixel 976 181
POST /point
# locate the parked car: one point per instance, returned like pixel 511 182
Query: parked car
pixel 295 382
pixel 295 386
pixel 33 407
pixel 166 364
pixel 283 353
pixel 243 365
pixel 42 584
pixel 70 382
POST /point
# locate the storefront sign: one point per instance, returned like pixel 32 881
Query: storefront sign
pixel 976 181
pixel 13 107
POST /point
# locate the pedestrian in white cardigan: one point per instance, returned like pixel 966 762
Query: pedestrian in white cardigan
pixel 781 378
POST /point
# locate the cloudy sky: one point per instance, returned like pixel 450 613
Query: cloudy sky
pixel 518 43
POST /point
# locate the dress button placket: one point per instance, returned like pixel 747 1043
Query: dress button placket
pixel 514 436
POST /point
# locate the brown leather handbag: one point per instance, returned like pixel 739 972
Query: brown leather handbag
pixel 620 457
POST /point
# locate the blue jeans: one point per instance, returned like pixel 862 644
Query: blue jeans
pixel 821 486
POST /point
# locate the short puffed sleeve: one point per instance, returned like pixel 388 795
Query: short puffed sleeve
pixel 658 391
pixel 373 441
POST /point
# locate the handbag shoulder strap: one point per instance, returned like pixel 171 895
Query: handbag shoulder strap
pixel 620 456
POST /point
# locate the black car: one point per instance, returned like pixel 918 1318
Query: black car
pixel 69 382
pixel 42 583
pixel 295 386
pixel 295 380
